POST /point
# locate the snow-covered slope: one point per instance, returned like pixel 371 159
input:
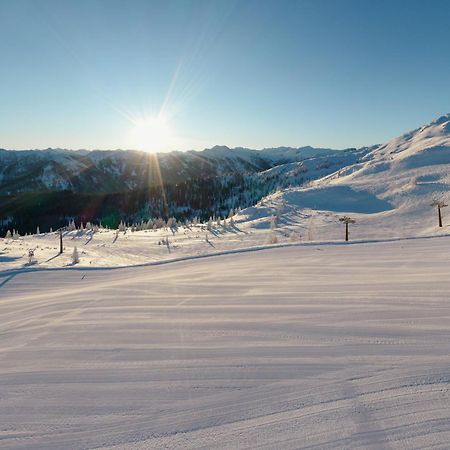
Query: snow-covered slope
pixel 389 191
pixel 318 347
pixel 313 168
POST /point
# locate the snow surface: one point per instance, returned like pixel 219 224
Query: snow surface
pixel 220 340
pixel 109 248
pixel 309 346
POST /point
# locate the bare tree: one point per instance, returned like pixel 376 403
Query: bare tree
pixel 440 204
pixel 346 220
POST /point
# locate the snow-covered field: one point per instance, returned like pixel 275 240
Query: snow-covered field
pixel 308 346
pixel 260 333
pixel 252 229
pixel 109 248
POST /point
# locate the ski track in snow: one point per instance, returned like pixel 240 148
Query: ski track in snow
pixel 315 347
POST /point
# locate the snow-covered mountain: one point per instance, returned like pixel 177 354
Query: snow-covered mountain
pixel 119 171
pixel 389 191
pixel 387 188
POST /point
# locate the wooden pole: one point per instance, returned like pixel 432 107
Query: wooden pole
pixel 346 231
pixel 440 216
pixel 60 241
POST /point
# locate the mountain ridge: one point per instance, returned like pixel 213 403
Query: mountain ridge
pixel 121 170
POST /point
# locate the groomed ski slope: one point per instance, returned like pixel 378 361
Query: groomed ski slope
pixel 330 346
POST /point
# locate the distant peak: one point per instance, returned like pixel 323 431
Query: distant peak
pixel 220 147
pixel 443 119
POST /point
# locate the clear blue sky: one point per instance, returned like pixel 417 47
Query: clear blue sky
pixel 331 73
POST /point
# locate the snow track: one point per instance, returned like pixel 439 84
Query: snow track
pixel 317 347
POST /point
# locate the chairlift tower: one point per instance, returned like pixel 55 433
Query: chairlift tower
pixel 440 204
pixel 346 220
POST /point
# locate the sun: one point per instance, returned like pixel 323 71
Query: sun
pixel 151 134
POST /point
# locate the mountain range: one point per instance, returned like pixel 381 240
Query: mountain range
pixel 124 170
pixel 58 184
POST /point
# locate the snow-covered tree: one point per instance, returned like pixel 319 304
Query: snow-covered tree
pixel 38 231
pixel 172 224
pixel 273 222
pixel 75 256
pixel 8 235
pixel 159 223
pixel 31 259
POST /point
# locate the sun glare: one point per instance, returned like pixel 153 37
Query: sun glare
pixel 152 134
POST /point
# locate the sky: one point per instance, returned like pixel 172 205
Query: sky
pixel 177 75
